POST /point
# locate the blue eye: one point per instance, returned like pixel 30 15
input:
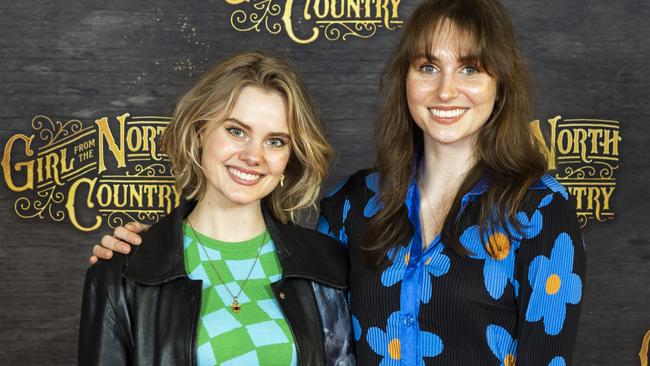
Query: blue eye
pixel 276 142
pixel 237 132
pixel 428 69
pixel 470 70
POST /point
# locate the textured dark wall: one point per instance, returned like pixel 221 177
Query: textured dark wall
pixel 90 59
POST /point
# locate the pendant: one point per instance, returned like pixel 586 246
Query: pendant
pixel 235 305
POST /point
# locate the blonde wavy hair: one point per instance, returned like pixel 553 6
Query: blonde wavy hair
pixel 212 99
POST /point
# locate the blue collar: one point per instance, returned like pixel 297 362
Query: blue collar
pixel 480 187
pixel 413 198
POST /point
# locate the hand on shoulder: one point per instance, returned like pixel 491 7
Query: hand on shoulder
pixel 121 240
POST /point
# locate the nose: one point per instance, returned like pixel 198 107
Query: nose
pixel 448 88
pixel 251 154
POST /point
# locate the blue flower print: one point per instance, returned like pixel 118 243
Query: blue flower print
pixel 530 227
pixel 356 325
pixel 545 201
pixel 557 361
pixel 499 251
pixel 374 205
pixel 499 257
pixel 387 343
pixel 346 209
pixel 437 264
pixel 555 186
pixel 502 345
pixel 356 328
pixel 343 236
pixel 399 257
pixel 323 227
pixel 554 285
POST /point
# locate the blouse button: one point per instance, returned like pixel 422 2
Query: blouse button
pixel 282 296
pixel 407 320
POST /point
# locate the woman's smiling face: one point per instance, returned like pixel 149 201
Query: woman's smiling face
pixel 450 97
pixel 244 156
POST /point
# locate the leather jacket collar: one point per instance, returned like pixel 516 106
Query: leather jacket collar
pixel 301 252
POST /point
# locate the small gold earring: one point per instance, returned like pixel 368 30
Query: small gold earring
pixel 282 180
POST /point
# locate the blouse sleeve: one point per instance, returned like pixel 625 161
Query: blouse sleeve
pixel 550 271
pixel 334 210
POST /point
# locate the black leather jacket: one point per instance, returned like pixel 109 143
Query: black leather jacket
pixel 142 309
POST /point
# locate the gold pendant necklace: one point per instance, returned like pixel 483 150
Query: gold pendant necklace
pixel 235 306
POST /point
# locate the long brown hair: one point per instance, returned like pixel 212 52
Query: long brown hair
pixel 505 151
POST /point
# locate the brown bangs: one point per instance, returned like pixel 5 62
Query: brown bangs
pixel 442 20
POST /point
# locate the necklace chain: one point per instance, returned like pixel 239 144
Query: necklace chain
pixel 235 306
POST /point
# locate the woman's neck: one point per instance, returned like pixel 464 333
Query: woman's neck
pixel 443 167
pixel 230 223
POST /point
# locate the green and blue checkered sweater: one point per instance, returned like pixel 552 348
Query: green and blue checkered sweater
pixel 258 334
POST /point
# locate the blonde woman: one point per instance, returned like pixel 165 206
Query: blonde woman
pixel 227 278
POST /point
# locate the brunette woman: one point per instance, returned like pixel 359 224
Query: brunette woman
pixel 462 250
pixel 227 278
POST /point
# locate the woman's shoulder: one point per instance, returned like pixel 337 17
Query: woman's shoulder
pixel 311 252
pixel 349 198
pixel 550 227
pixel 309 236
pixel 549 184
pixel 548 211
pixel 547 190
pixel 357 181
pixel 353 190
pixel 147 262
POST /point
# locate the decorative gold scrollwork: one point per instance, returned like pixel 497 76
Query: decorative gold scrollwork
pixel 265 11
pixel 583 218
pixel 151 216
pixel 152 170
pixel 117 218
pixel 28 209
pixel 340 30
pixel 120 218
pixel 52 131
pixel 579 173
pixel 607 171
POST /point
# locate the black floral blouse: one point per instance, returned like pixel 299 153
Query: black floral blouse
pixel 516 299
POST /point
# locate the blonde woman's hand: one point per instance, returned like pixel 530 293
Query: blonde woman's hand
pixel 121 241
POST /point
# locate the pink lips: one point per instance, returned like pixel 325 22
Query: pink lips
pixel 447 115
pixel 242 180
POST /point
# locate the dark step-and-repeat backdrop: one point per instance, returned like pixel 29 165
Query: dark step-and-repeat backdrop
pixel 88 87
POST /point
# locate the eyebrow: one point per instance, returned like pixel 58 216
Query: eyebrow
pixel 249 128
pixel 465 59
